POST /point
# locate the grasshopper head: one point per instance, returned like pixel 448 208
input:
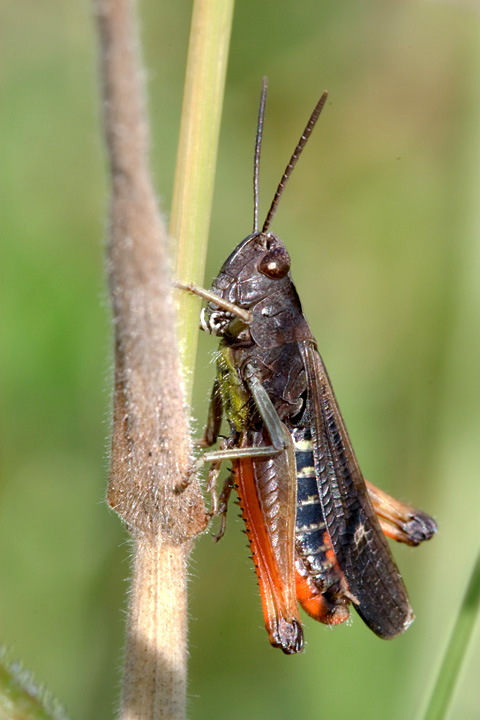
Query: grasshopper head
pixel 258 268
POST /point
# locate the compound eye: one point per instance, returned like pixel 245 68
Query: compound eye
pixel 275 263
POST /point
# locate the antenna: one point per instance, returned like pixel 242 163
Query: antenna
pixel 293 160
pixel 258 147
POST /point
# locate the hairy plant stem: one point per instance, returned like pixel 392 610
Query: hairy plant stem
pixel 151 449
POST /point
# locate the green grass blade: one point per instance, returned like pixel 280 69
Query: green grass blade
pixel 196 160
pixel 455 652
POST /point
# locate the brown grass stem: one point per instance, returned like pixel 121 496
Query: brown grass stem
pixel 151 450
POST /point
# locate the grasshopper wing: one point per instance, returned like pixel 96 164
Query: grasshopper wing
pixel 360 547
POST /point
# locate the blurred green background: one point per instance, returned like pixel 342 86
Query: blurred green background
pixel 382 221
